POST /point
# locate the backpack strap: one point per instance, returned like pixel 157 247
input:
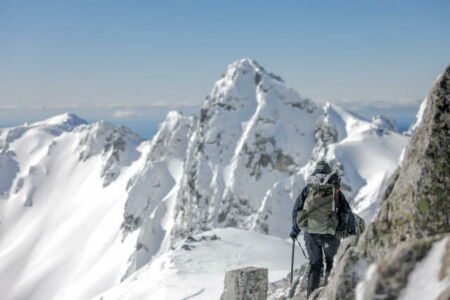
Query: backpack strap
pixel 336 198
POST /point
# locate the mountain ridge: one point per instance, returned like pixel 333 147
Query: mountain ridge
pixel 241 163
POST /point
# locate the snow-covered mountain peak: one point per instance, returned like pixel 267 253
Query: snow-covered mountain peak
pixel 385 122
pixel 248 66
pixel 254 130
pixel 347 123
pixel 42 130
pixel 116 145
pixel 245 82
pixel 67 122
pixel 172 137
pixel 120 203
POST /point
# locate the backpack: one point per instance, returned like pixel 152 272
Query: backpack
pixel 319 214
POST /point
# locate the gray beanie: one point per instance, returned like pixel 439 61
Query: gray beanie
pixel 323 167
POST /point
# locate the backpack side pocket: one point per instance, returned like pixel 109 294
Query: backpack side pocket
pixel 302 220
pixel 333 223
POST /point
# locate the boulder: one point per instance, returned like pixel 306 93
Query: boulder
pixel 246 284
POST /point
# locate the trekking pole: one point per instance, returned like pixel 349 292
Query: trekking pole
pixel 292 261
pixel 302 249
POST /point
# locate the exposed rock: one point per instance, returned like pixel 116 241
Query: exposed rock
pixel 415 203
pixel 413 216
pixel 112 143
pixel 246 284
pixel 283 289
pixel 253 131
pixel 413 213
pixel 172 137
pixel 348 269
pixel 360 225
pixel 388 278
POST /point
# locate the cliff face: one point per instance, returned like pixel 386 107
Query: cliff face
pixel 408 241
pixel 415 203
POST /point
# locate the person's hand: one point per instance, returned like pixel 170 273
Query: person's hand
pixel 342 234
pixel 294 234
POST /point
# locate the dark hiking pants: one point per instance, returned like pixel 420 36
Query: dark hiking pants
pixel 315 245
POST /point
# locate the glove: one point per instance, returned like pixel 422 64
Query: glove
pixel 294 234
pixel 342 234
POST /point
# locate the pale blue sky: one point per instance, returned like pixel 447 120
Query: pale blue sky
pixel 117 59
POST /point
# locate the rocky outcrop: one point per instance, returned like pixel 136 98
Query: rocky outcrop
pixel 405 251
pixel 284 289
pixel 348 268
pixel 413 217
pixel 246 284
pixel 415 203
pixel 116 145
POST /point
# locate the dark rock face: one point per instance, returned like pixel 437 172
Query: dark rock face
pixel 415 203
pixel 413 216
pixel 348 268
pixel 246 284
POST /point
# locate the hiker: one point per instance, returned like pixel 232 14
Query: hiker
pixel 325 216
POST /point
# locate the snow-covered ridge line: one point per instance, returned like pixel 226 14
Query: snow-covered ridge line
pixel 119 204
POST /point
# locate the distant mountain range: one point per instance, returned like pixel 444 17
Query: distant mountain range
pixel 85 206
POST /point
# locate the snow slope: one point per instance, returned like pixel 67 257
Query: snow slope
pixel 85 208
pixel 365 154
pixel 196 266
pixel 59 223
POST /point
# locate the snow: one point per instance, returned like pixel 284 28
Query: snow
pixel 368 155
pixel 385 122
pixel 424 281
pixel 365 289
pixel 419 116
pixel 69 231
pixel 85 206
pixel 198 267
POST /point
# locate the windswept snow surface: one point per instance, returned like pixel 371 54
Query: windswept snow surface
pixel 197 265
